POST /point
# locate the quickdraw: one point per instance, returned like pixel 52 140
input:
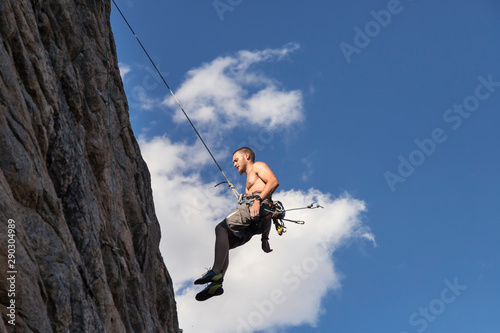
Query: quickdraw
pixel 278 211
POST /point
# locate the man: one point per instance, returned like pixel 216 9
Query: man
pixel 249 219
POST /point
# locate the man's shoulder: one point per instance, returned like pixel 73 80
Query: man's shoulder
pixel 260 165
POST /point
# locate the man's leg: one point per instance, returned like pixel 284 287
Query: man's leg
pixel 225 266
pixel 221 260
pixel 235 242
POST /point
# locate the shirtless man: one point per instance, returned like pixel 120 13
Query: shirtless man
pixel 249 219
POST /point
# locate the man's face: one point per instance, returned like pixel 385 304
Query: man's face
pixel 239 162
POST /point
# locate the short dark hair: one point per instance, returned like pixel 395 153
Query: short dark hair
pixel 246 150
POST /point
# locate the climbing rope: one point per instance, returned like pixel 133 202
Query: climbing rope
pixel 278 215
pixel 115 248
pixel 231 186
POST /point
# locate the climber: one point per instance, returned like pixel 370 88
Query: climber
pixel 249 219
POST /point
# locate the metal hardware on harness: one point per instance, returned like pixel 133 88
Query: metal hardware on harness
pixel 311 206
pixel 278 211
pixel 280 226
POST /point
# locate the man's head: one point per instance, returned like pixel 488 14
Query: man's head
pixel 242 157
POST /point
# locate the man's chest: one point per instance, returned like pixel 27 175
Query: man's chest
pixel 254 183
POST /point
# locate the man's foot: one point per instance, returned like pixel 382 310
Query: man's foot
pixel 213 289
pixel 210 276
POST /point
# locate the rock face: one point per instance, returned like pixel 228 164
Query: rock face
pixel 76 206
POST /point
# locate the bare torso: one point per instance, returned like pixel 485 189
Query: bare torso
pixel 260 178
pixel 254 183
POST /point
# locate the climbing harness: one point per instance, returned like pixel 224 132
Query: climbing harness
pixel 278 216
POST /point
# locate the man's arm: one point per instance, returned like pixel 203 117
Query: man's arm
pixel 267 176
pixel 270 185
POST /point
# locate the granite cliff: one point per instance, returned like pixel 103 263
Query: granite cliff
pixel 76 205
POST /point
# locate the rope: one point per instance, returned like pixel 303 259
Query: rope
pixel 178 103
pixel 113 169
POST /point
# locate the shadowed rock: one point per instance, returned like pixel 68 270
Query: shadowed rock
pixel 56 179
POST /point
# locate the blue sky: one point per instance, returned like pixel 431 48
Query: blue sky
pixel 395 128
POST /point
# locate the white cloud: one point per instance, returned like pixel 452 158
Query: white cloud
pixel 262 291
pixel 185 205
pixel 229 91
pixel 124 69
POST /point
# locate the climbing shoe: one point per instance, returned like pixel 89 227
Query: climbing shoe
pixel 213 289
pixel 210 276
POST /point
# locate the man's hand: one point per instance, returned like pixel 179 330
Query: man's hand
pixel 265 246
pixel 255 209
